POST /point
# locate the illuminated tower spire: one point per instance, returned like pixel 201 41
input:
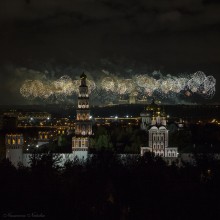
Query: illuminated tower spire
pixel 83 125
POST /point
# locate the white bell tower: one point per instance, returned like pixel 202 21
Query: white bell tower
pixel 83 126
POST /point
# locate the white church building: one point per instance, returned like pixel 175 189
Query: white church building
pixel 155 123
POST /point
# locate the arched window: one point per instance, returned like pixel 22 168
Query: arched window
pixel 83 130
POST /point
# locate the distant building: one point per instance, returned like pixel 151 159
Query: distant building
pixel 29 116
pixel 125 121
pixel 133 99
pixel 154 121
pixel 147 114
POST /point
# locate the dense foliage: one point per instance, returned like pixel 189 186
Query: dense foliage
pixel 109 187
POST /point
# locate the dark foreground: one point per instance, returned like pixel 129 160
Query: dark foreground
pixel 108 188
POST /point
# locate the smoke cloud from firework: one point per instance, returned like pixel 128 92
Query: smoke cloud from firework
pixel 110 88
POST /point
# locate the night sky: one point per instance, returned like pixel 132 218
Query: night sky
pixel 45 39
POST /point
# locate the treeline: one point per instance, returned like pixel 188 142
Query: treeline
pixel 119 138
pixel 107 186
pixel 129 139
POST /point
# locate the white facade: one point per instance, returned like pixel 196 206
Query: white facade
pixel 15 156
pixel 158 143
pixel 80 143
pixel 158 136
pixel 145 120
pixel 82 156
pixel 167 152
pixel 83 128
pixel 18 157
pixel 14 144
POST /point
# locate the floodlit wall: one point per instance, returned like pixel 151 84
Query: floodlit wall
pixel 15 156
